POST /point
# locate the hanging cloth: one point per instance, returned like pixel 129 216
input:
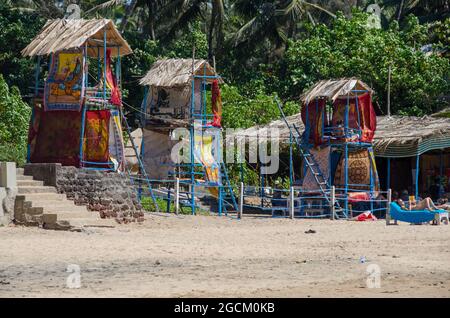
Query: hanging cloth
pixel 216 101
pixel 111 81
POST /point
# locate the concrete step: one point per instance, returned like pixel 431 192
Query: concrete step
pixel 45 196
pixel 89 222
pixel 23 177
pixel 36 189
pixel 55 203
pixel 69 216
pixel 67 208
pixel 19 171
pixel 27 183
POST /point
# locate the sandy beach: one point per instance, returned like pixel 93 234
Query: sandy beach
pixel 206 256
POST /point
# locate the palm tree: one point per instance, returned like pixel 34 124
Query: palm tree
pixel 425 10
pixel 272 20
pixel 164 19
pixel 49 9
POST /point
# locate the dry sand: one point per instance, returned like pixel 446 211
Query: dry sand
pixel 201 256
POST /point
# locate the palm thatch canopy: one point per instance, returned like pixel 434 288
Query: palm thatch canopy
pixel 332 89
pixel 64 34
pixel 407 136
pixel 177 72
pixel 396 136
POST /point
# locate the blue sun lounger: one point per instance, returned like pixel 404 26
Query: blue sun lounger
pixel 416 216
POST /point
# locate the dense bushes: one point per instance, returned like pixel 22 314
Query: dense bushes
pixel 14 119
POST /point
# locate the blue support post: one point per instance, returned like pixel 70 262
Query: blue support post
pixel 144 108
pixel 346 177
pixel 417 175
pixel 36 93
pixel 168 200
pixel 118 69
pixel 192 146
pixel 291 168
pixel 99 65
pixel 388 178
pixel 83 120
pixel 220 201
pixel 359 119
pixel 262 188
pixel 371 187
pixel 347 106
pixel 36 76
pixel 104 65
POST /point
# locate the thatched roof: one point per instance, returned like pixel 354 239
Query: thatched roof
pixel 406 136
pixel 176 72
pixel 396 136
pixel 62 34
pixel 332 89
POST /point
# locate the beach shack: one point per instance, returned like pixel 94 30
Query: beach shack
pixel 77 100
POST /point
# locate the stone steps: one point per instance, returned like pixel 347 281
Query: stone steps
pixel 37 204
pixel 20 177
pixel 35 189
pixel 44 196
pixel 28 183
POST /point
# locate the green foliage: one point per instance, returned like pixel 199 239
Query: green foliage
pixel 243 111
pixel 17 29
pixel 349 48
pixel 149 206
pixel 14 119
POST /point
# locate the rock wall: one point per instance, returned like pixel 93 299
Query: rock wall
pixel 109 193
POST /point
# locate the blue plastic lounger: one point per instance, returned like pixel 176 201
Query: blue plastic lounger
pixel 415 216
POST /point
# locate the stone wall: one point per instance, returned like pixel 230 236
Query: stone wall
pixel 109 193
pixel 8 191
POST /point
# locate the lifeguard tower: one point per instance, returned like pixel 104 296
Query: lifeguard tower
pixel 175 111
pixel 77 104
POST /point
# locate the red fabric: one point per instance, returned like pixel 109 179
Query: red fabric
pixel 55 137
pixel 216 101
pixel 366 216
pixel 316 116
pixel 116 99
pixel 358 196
pixel 367 116
pixel 96 136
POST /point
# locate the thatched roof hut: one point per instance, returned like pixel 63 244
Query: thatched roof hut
pixel 177 72
pixel 63 34
pixel 332 89
pixel 395 137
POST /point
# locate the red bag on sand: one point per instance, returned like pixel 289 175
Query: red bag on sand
pixel 366 216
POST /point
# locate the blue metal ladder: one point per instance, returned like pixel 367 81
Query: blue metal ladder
pixel 311 163
pixel 142 175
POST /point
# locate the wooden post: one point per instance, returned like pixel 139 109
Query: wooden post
pixel 241 200
pixel 291 202
pixel 332 202
pixel 177 195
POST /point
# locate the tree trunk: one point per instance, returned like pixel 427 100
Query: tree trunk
pixel 212 25
pixel 128 12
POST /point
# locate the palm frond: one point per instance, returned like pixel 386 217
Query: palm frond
pixel 105 5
